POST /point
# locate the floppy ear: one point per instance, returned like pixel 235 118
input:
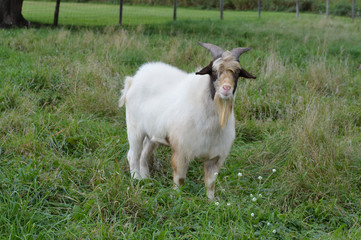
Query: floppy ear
pixel 206 70
pixel 245 74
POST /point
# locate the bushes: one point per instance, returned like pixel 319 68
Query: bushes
pixel 342 10
pixel 241 4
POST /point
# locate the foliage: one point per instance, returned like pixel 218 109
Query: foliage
pixel 63 167
pixel 342 10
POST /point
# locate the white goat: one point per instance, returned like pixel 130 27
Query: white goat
pixel 190 112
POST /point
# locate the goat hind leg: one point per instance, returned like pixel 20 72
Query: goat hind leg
pixel 135 139
pixel 148 148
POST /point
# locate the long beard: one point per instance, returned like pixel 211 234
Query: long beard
pixel 224 109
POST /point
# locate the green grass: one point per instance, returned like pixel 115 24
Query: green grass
pixel 63 167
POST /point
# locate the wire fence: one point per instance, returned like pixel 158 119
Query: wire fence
pixel 105 14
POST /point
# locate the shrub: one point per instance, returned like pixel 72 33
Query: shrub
pixel 342 10
pixel 306 6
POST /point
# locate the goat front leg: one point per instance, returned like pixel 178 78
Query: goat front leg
pixel 211 169
pixel 180 168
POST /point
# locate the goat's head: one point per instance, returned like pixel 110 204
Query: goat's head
pixel 224 71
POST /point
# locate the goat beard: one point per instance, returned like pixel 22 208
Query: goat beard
pixel 224 109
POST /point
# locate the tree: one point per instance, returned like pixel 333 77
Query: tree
pixel 10 13
pixel 297 8
pixel 259 8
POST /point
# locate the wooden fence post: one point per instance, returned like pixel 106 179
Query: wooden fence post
pixel 175 10
pixel 56 13
pixel 222 6
pixel 121 13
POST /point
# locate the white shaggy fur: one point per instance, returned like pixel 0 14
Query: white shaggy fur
pixel 168 106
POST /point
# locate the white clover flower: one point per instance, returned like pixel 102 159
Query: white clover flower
pixel 259 195
pixel 274 231
pixel 216 203
pixel 274 170
pixel 268 224
pixel 216 173
pixel 254 199
pixel 251 195
pixel 240 174
pixel 229 204
pixel 252 214
pixel 260 177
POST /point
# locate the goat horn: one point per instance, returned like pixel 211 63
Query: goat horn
pixel 215 50
pixel 237 52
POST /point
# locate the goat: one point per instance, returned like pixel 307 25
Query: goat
pixel 191 113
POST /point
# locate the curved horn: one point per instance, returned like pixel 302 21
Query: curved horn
pixel 215 50
pixel 237 52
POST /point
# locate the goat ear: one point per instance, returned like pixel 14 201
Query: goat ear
pixel 245 74
pixel 206 70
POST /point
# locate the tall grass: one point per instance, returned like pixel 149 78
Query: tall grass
pixel 63 167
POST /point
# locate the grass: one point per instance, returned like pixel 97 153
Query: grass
pixel 63 167
pixel 108 14
pixel 95 14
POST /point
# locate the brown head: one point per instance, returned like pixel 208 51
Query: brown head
pixel 224 71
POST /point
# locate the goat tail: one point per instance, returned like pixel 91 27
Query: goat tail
pixel 127 83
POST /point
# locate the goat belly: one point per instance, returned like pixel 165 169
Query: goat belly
pixel 163 141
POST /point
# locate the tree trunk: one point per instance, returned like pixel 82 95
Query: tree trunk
pixel 327 7
pixel 10 14
pixel 259 8
pixel 297 8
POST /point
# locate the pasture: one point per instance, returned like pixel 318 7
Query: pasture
pixel 294 171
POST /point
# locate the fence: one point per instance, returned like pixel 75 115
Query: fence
pixel 99 13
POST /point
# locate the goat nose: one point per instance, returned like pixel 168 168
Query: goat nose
pixel 226 87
